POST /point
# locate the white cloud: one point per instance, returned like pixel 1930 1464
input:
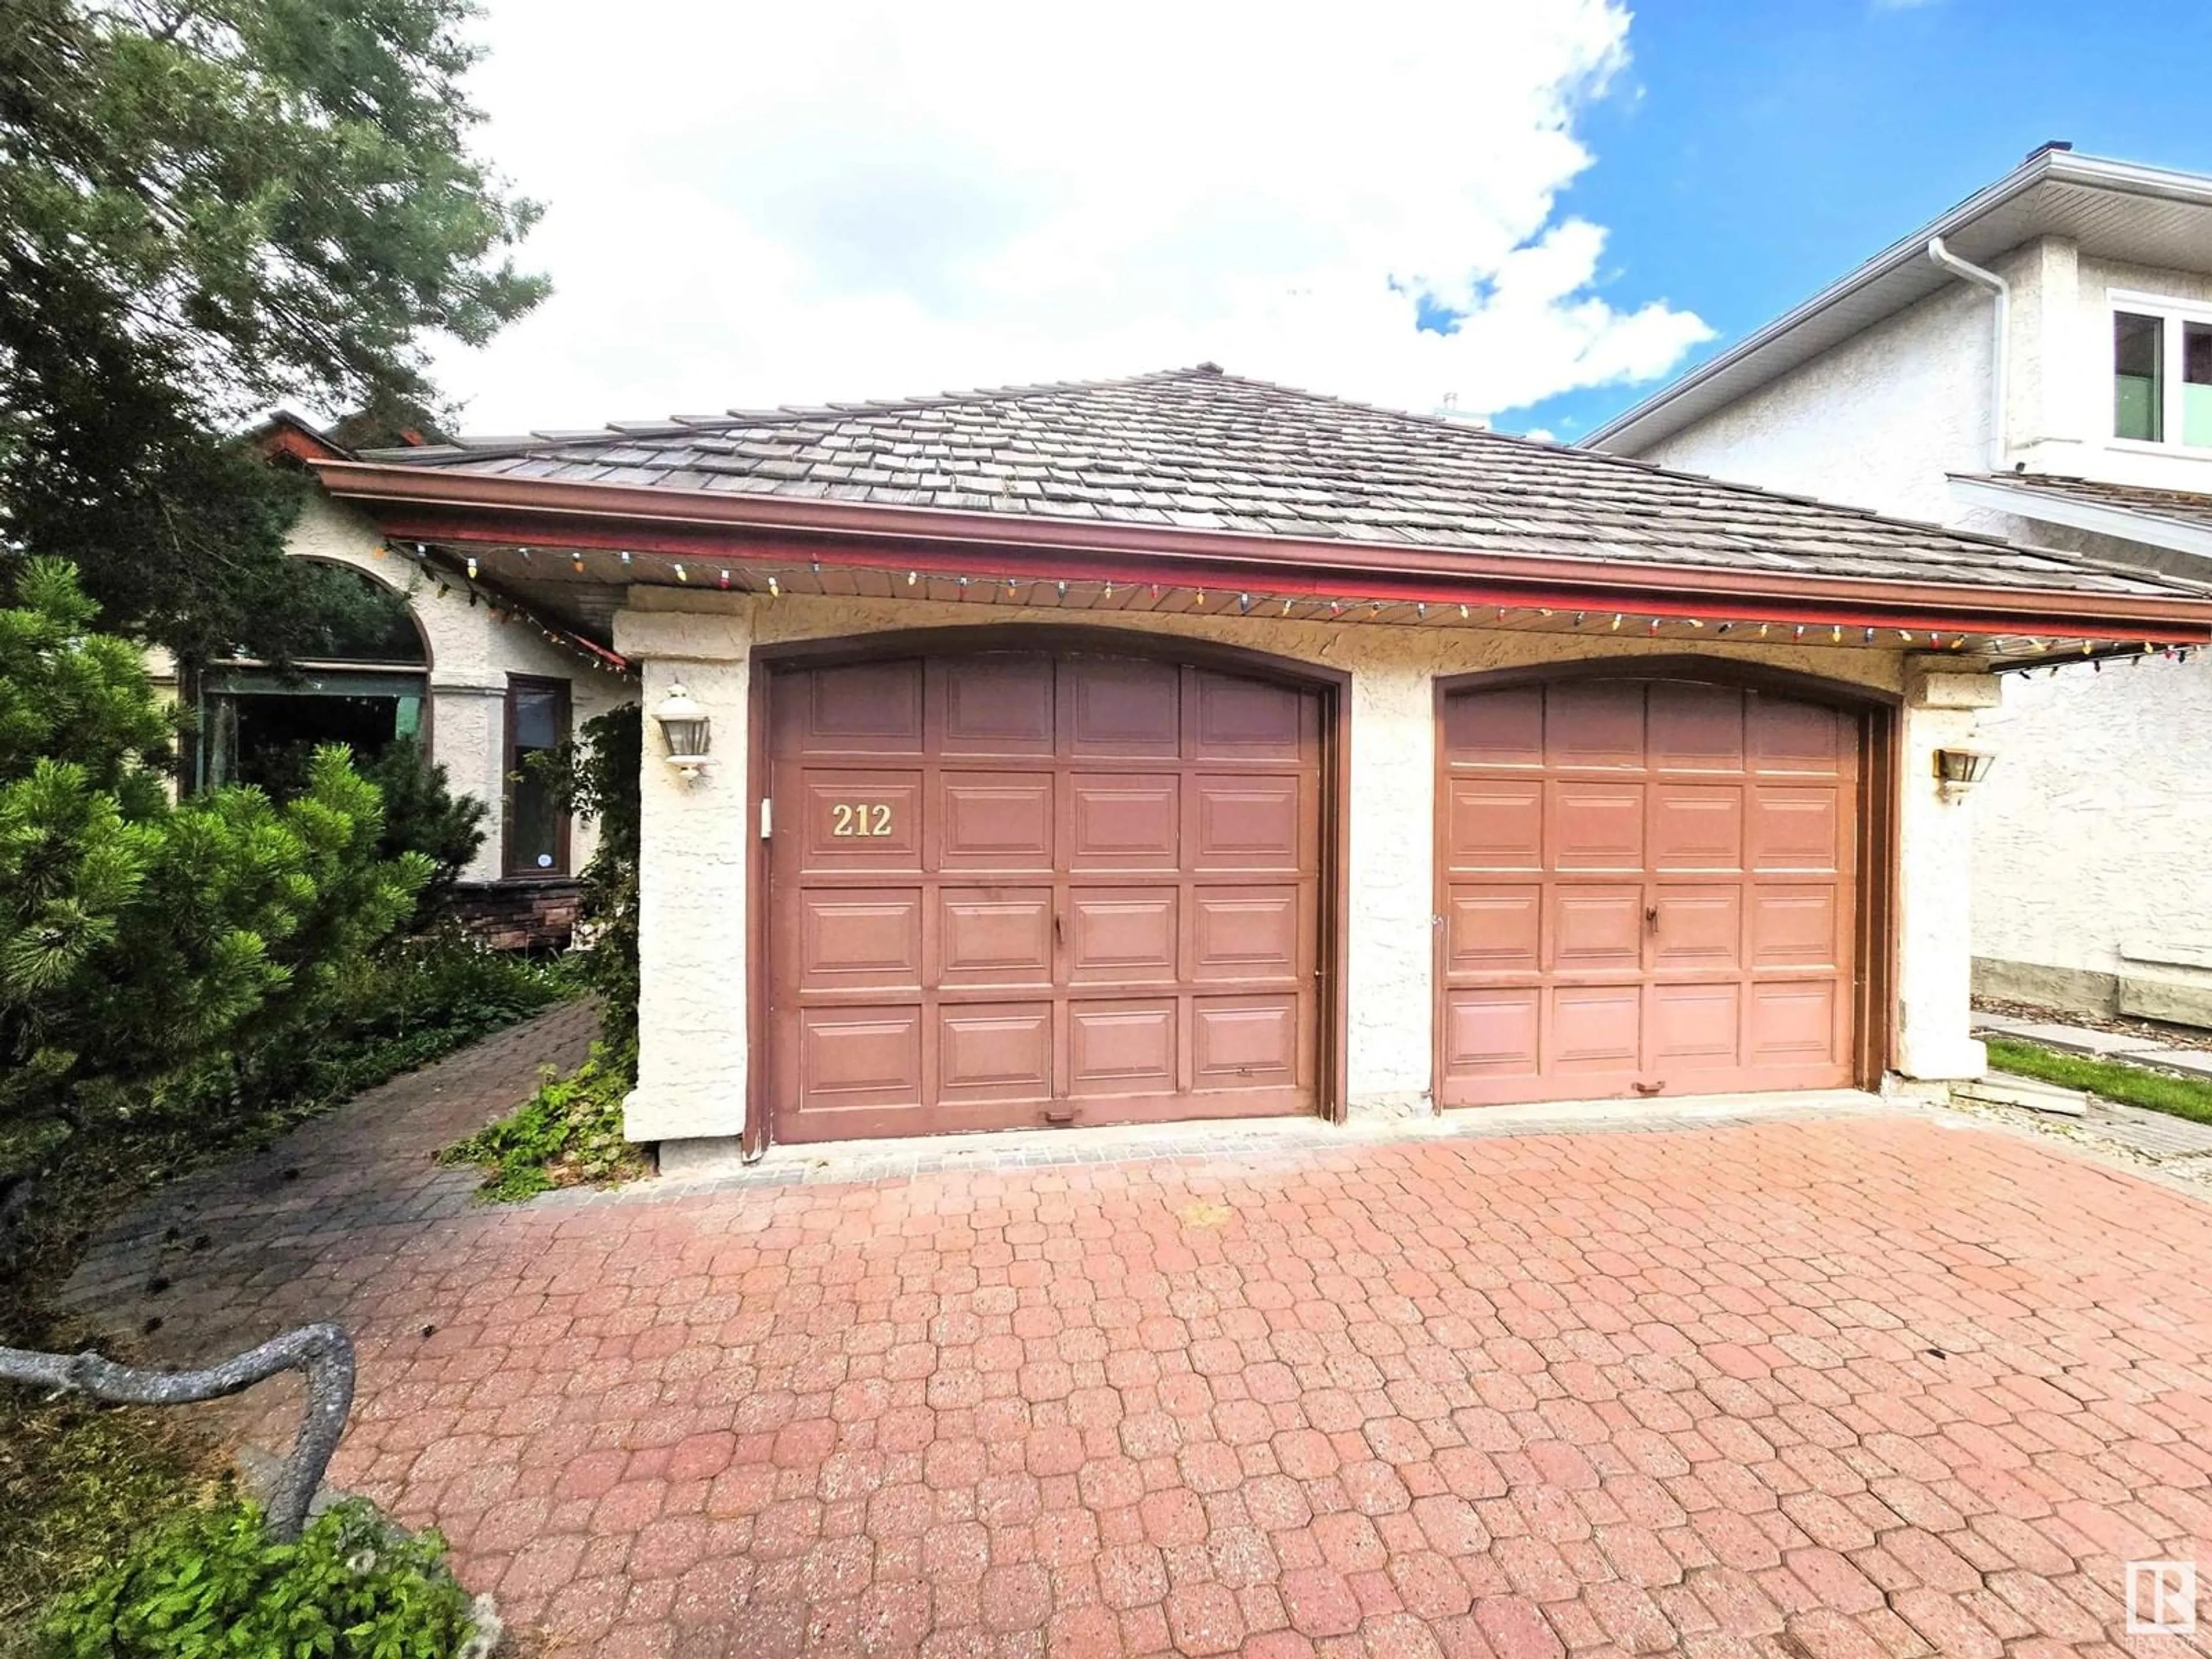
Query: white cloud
pixel 752 203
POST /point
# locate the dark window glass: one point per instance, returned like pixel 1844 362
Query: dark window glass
pixel 2138 377
pixel 261 726
pixel 537 829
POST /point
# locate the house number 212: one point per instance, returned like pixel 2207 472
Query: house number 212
pixel 860 818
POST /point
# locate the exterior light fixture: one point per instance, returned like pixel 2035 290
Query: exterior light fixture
pixel 1959 769
pixel 683 724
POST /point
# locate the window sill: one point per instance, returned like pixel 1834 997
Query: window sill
pixel 2168 452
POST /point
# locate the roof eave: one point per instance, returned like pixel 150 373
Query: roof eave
pixel 2130 524
pixel 436 504
pixel 2063 165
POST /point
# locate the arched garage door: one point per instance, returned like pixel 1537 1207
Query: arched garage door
pixel 1021 887
pixel 1646 887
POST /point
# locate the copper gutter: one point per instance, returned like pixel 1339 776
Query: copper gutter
pixel 429 503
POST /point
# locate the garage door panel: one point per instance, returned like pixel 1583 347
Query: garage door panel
pixel 1498 729
pixel 1019 887
pixel 994 1052
pixel 994 938
pixel 1124 936
pixel 1494 1031
pixel 1120 822
pixel 1696 728
pixel 1794 928
pixel 866 708
pixel 1494 930
pixel 1245 719
pixel 1801 738
pixel 1596 725
pixel 1247 825
pixel 1597 930
pixel 998 822
pixel 1122 1048
pixel 1495 824
pixel 1596 826
pixel 860 940
pixel 1247 933
pixel 993 705
pixel 1593 1028
pixel 1244 1042
pixel 1661 900
pixel 1795 829
pixel 1699 929
pixel 860 1057
pixel 1793 1021
pixel 1696 827
pixel 1120 708
pixel 1694 1027
pixel 860 820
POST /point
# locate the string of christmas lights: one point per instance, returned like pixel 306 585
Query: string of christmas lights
pixel 1175 598
pixel 503 609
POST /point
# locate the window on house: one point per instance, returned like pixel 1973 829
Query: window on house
pixel 2197 384
pixel 2138 377
pixel 537 829
pixel 359 681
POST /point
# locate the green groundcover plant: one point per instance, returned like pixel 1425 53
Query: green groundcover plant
pixel 213 1585
pixel 570 1133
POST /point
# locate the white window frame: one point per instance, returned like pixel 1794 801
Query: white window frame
pixel 2171 313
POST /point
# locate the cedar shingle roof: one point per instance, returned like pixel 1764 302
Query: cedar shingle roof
pixel 2188 507
pixel 1197 449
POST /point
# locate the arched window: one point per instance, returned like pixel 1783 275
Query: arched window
pixel 362 682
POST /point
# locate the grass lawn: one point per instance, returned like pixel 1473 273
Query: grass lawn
pixel 2133 1086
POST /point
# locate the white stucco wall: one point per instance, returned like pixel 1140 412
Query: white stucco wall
pixel 471 657
pixel 1875 422
pixel 698 835
pixel 2096 845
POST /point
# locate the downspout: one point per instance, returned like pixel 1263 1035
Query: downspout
pixel 2000 321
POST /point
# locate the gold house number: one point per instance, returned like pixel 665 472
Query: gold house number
pixel 860 818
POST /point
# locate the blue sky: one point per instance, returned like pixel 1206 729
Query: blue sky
pixel 1595 187
pixel 1751 154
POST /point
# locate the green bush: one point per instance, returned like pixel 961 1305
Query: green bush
pixel 408 1005
pixel 598 777
pixel 212 1585
pixel 140 938
pixel 570 1133
pixel 423 814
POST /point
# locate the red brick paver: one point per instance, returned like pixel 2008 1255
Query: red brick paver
pixel 1839 1386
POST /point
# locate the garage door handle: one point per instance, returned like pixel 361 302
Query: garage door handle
pixel 1059 930
pixel 1651 919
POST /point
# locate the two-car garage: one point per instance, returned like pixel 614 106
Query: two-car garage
pixel 1017 884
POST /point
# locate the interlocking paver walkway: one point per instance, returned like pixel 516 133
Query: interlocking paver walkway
pixel 1853 1386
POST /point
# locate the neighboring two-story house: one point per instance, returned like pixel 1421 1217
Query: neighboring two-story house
pixel 2036 363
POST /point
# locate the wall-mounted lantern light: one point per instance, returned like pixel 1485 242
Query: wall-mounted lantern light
pixel 1960 770
pixel 683 724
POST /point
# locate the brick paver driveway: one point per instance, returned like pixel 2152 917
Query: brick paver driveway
pixel 1867 1385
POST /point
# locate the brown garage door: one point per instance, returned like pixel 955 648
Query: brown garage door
pixel 1016 888
pixel 1646 887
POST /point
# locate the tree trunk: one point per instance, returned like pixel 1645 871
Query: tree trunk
pixel 323 1352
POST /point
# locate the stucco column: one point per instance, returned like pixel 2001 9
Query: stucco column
pixel 696 842
pixel 1391 996
pixel 1935 836
pixel 468 738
